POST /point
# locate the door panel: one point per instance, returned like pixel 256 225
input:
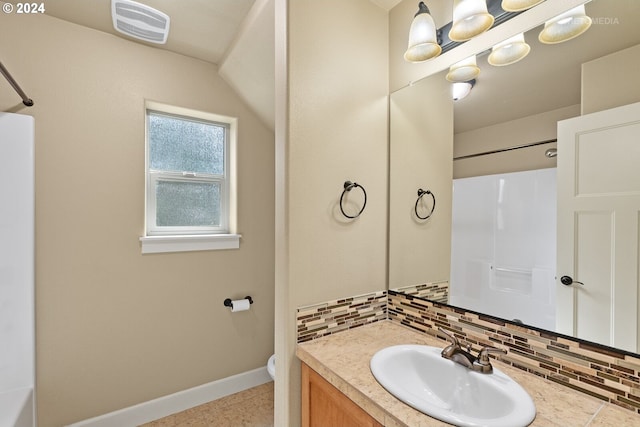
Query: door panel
pixel 598 219
pixel 614 153
pixel 595 233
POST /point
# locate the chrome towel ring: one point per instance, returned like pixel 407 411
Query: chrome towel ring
pixel 421 193
pixel 348 186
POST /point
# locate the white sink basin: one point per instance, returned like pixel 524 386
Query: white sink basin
pixel 420 377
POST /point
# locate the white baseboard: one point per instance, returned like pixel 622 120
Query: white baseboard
pixel 177 402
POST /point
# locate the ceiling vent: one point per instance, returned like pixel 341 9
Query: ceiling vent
pixel 140 21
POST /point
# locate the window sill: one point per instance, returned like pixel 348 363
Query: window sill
pixel 207 242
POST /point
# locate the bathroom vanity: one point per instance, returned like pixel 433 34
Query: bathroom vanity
pixel 337 381
pixel 325 405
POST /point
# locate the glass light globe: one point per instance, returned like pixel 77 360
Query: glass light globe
pixel 464 70
pixel 423 42
pixel 509 51
pixel 566 26
pixel 519 5
pixel 470 18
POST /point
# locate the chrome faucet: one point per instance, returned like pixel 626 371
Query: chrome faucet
pixel 463 357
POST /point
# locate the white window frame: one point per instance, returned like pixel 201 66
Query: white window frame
pixel 178 239
pixel 156 176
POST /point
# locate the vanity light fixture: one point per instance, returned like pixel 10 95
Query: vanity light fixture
pixel 519 5
pixel 459 90
pixel 566 26
pixel 463 71
pixel 509 51
pixel 423 41
pixel 470 18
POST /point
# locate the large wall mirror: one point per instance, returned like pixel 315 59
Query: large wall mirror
pixel 505 104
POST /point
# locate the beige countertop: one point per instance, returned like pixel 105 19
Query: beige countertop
pixel 343 360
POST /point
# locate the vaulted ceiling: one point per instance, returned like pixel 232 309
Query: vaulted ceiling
pixel 203 29
pixel 238 37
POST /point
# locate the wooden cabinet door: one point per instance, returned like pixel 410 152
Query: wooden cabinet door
pixel 323 405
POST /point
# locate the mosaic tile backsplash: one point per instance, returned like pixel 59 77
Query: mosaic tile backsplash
pixel 318 320
pixel 602 372
pixel 436 291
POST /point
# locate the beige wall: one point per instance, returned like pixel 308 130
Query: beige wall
pixel 605 84
pixel 331 127
pixel 526 130
pixel 114 327
pixel 337 131
pixel 611 81
pixel 421 155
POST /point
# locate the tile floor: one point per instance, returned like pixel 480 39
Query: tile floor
pixel 249 408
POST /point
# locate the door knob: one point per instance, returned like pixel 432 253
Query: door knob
pixel 568 280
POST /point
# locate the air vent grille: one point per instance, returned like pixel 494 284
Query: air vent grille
pixel 140 21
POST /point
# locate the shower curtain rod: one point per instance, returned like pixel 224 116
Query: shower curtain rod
pixel 501 150
pixel 25 99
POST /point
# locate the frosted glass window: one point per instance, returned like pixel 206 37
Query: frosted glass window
pixel 188 204
pixel 188 177
pixel 178 144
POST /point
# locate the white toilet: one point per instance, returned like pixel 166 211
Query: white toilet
pixel 271 367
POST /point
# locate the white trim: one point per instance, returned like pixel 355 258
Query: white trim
pixel 178 402
pixel 205 242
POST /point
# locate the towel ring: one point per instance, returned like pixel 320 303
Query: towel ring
pixel 421 193
pixel 348 186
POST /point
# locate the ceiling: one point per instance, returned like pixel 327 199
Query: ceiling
pixel 202 29
pixel 235 35
pixel 387 4
pixel 238 37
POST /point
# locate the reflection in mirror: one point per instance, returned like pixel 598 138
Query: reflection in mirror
pixel 421 153
pixel 502 130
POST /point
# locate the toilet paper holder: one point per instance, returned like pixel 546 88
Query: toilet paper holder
pixel 227 302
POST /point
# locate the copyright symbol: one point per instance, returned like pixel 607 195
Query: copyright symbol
pixel 7 8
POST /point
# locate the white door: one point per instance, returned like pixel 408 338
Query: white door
pixel 598 232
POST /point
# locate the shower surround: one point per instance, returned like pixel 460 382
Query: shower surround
pixel 17 329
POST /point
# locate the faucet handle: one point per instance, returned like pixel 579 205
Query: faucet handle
pixel 452 348
pixel 450 337
pixel 482 362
